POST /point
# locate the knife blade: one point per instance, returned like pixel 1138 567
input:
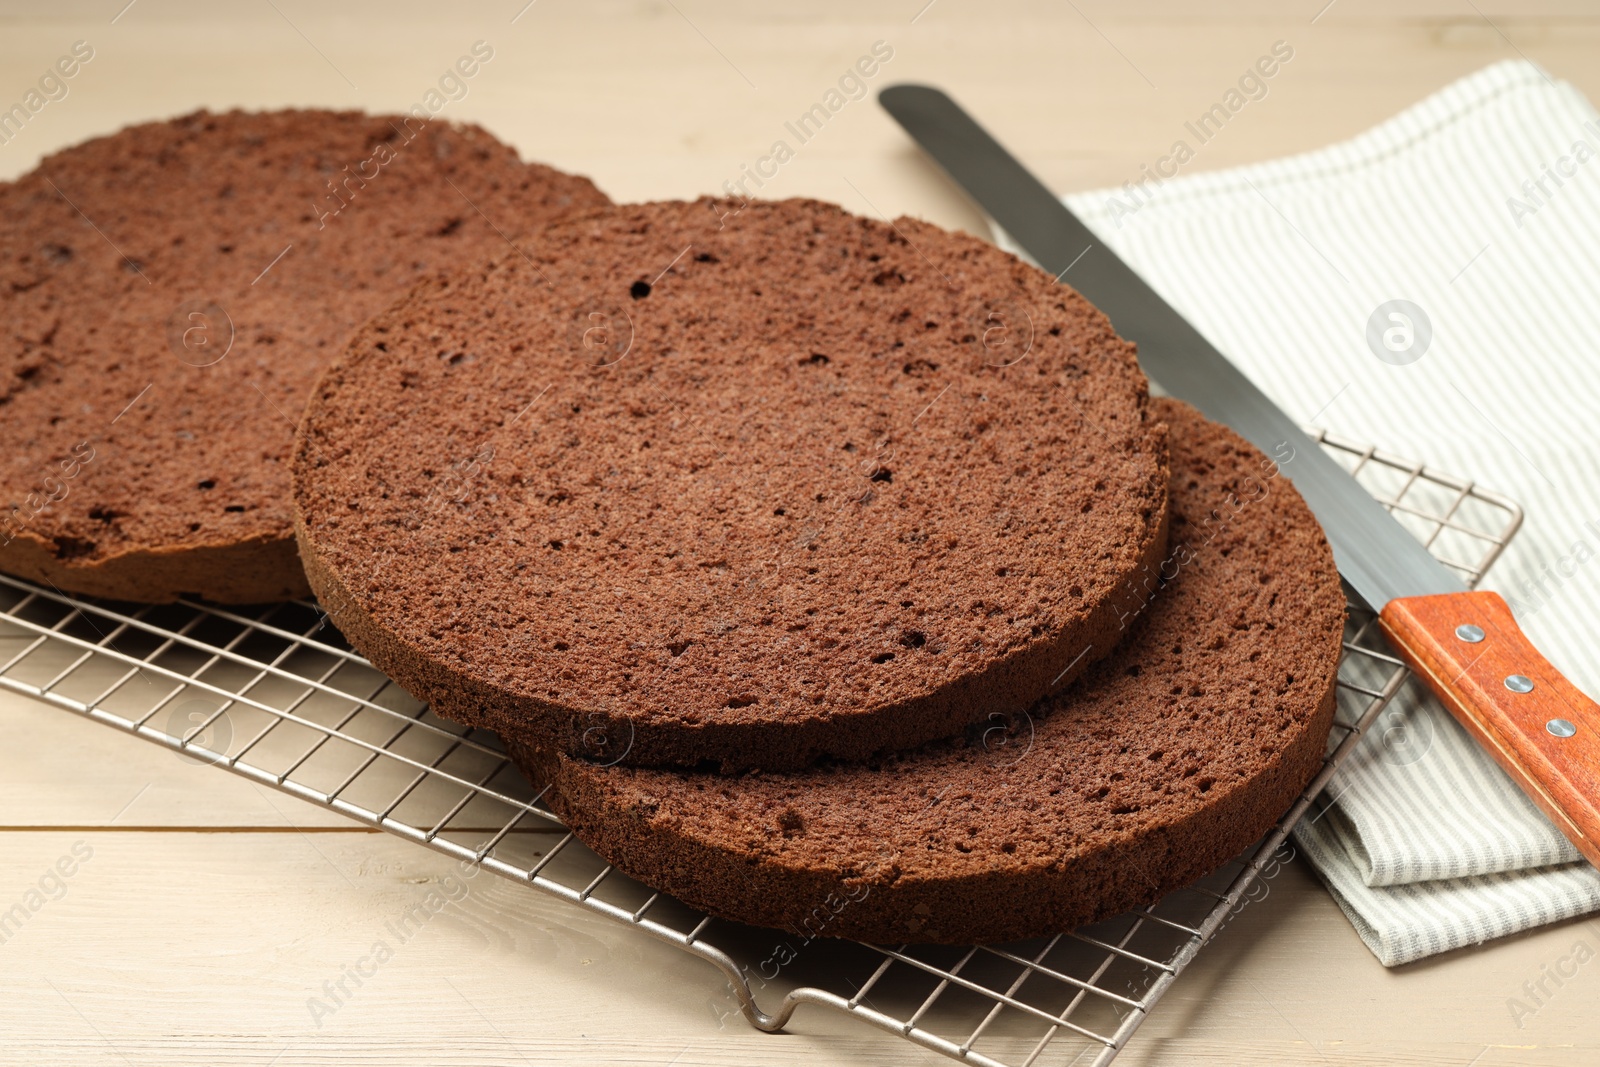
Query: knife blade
pixel 1466 645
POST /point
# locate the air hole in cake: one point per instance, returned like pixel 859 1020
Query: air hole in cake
pixel 207 484
pixel 743 700
pixel 883 474
pixel 816 358
pixel 678 648
pixel 557 545
pixel 913 639
pixel 883 657
pixel 791 822
pixel 234 508
pixel 561 646
pixel 73 547
pixel 639 290
pixel 105 515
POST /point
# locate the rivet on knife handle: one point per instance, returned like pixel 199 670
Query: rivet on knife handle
pixel 1536 724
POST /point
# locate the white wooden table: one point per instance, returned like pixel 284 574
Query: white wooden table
pixel 210 911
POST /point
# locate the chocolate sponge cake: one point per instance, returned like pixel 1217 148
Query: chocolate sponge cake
pixel 170 293
pixel 747 484
pixel 1164 762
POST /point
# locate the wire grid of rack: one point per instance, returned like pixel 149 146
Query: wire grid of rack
pixel 276 695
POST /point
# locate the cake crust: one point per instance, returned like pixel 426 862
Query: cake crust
pixel 1164 762
pixel 171 292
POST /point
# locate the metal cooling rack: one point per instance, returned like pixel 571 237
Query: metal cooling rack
pixel 274 695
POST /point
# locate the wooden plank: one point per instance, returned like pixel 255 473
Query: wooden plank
pixel 58 769
pixel 649 109
pixel 182 948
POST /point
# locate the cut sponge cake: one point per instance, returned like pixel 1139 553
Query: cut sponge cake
pixel 742 484
pixel 1164 762
pixel 170 293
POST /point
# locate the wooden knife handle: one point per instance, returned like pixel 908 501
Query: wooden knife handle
pixel 1473 655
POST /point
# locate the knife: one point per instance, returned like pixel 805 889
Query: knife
pixel 1464 644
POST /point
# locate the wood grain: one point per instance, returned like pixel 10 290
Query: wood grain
pixel 1474 678
pixel 202 925
pixel 203 949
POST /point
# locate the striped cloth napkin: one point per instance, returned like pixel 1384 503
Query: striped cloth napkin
pixel 1480 206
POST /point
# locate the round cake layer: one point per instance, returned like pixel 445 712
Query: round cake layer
pixel 1167 760
pixel 695 482
pixel 171 292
